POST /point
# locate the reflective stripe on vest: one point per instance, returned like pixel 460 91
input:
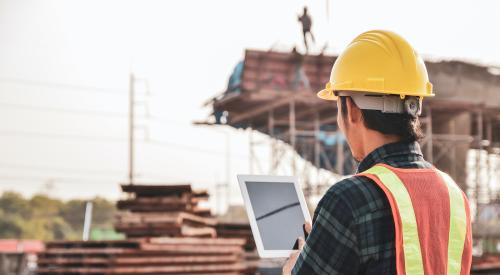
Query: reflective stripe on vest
pixel 413 262
pixel 458 226
pixel 411 244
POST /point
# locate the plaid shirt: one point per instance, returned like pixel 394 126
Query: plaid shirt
pixel 353 229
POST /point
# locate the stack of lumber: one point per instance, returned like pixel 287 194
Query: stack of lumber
pixel 164 224
pixel 145 256
pixel 167 232
pixel 164 210
pixel 486 264
pixel 154 198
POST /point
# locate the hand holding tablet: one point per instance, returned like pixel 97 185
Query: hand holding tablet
pixel 276 210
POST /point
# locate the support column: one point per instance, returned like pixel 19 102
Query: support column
pixel 293 135
pixel 317 150
pixel 317 144
pixel 479 138
pixel 270 129
pixel 131 135
pixel 489 170
pixel 251 153
pixel 453 153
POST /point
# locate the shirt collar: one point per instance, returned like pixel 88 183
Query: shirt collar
pixel 386 152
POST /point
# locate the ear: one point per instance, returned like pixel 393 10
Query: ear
pixel 354 114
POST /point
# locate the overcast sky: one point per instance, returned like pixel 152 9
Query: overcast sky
pixel 64 68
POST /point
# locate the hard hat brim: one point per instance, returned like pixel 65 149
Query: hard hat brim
pixel 327 95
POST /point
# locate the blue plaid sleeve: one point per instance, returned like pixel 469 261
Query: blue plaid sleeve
pixel 332 246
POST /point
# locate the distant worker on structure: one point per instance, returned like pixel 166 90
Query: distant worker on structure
pixel 300 74
pixel 398 214
pixel 306 21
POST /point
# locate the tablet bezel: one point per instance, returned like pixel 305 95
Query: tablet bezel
pixel 263 253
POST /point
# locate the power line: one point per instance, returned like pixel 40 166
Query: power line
pixel 58 168
pixel 63 110
pixel 65 86
pixel 60 136
pixel 56 179
pixel 151 118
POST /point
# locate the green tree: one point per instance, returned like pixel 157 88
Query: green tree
pixel 13 203
pixel 10 225
pixel 45 218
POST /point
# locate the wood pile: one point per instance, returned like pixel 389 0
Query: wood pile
pixel 167 232
pixel 236 230
pixel 164 210
pixel 486 264
pixel 163 255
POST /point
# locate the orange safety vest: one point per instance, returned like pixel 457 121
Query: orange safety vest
pixel 431 217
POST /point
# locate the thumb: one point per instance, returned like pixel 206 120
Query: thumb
pixel 308 227
pixel 301 243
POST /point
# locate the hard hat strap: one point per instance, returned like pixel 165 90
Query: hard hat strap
pixel 386 103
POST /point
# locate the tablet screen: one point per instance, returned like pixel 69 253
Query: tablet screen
pixel 278 213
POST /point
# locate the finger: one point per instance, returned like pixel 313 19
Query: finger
pixel 293 258
pixel 308 227
pixel 301 243
pixel 284 270
pixel 290 262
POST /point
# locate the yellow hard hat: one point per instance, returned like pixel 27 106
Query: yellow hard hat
pixel 379 62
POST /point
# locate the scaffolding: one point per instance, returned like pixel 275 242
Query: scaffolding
pixel 461 123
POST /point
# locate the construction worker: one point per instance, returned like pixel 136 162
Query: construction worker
pixel 300 74
pixel 306 22
pixel 399 214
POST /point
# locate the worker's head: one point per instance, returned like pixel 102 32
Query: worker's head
pixel 381 82
pixel 305 10
pixel 361 126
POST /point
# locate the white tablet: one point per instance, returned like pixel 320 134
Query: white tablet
pixel 276 210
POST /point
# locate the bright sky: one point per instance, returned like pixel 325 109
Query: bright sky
pixel 64 68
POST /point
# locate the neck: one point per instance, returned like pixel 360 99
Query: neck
pixel 373 140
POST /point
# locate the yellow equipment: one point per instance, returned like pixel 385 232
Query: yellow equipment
pixel 380 62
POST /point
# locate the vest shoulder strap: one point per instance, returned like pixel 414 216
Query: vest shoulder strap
pixel 458 224
pixel 399 197
pixel 409 231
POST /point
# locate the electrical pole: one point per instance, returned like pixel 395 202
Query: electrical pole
pixel 131 130
pixel 87 223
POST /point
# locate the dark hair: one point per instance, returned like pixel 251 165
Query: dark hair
pixel 403 125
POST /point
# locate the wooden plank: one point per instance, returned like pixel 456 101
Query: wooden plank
pixel 72 270
pixel 163 220
pixel 197 241
pixel 92 244
pixel 191 260
pixel 74 261
pixel 88 250
pixel 149 231
pixel 179 269
pixel 188 231
pixel 156 190
pixel 187 217
pixel 172 269
pixel 194 249
pixel 204 212
pixel 133 205
pixel 138 260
